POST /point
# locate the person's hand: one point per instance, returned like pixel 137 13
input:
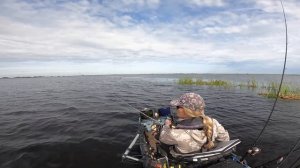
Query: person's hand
pixel 168 122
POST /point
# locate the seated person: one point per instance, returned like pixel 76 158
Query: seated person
pixel 190 108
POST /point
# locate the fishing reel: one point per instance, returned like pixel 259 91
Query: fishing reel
pixel 153 141
pixel 155 130
pixel 146 113
pixel 254 151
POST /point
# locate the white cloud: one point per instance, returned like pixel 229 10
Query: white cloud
pixel 210 3
pixel 87 32
pixel 291 6
pixel 150 3
pixel 226 30
pixel 80 38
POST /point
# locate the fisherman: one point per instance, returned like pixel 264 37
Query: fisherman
pixel 194 130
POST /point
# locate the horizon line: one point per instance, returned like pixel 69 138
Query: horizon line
pixel 44 76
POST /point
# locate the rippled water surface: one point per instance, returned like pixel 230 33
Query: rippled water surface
pixel 86 122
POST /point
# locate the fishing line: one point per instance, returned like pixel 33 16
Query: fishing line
pixel 135 109
pixel 279 89
pixel 289 154
pixel 296 161
pixel 277 158
pixel 154 120
pixel 281 81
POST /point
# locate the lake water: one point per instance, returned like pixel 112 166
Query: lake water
pixel 86 122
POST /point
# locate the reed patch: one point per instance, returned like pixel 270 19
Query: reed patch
pixel 268 90
pixel 286 91
pixel 200 82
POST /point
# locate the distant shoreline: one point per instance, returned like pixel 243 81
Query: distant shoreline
pixel 17 77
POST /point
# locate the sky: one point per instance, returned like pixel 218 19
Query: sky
pixel 93 37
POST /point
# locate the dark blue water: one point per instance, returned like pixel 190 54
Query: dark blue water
pixel 85 122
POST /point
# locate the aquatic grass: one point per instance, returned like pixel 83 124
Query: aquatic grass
pixel 186 81
pixel 219 83
pixel 268 90
pixel 286 91
pixel 250 84
pixel 200 82
pixel 253 83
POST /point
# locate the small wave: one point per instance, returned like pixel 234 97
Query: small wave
pixel 68 109
pixel 22 112
pixel 54 104
pixel 92 153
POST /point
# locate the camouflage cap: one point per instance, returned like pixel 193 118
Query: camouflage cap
pixel 191 101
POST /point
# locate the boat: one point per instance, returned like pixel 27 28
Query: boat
pixel 153 154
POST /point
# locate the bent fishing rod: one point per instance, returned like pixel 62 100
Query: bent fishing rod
pixel 139 111
pixel 295 162
pixel 254 149
pixel 289 154
pixel 278 158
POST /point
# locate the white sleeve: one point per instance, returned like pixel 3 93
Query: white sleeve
pixel 220 134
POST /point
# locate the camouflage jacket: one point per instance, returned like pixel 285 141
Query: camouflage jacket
pixel 187 141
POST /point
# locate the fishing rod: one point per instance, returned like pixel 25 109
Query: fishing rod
pixel 278 159
pixel 254 149
pixel 289 154
pixel 282 160
pixel 141 112
pixel 295 162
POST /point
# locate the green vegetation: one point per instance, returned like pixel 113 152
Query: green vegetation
pixel 250 84
pixel 286 92
pixel 270 90
pixel 212 82
pixel 253 83
pixel 186 81
pixel 200 82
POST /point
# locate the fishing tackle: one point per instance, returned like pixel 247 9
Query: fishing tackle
pixel 277 159
pixel 254 146
pixel 254 151
pixel 155 154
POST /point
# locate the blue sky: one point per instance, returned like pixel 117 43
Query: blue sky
pixel 89 37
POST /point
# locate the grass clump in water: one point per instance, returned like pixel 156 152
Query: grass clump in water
pixel 200 82
pixel 286 92
pixel 186 81
pixel 269 90
pixel 253 83
pixel 250 84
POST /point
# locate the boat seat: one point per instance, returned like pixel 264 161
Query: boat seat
pixel 221 150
